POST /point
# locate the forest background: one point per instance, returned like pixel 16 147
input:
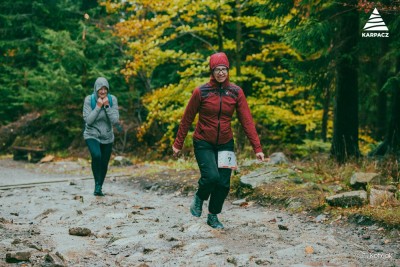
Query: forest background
pixel 312 82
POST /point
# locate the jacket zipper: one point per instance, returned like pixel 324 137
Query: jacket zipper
pixel 219 113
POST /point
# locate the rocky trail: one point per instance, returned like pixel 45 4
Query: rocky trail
pixel 63 224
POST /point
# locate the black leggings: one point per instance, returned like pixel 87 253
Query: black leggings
pixel 214 182
pixel 101 154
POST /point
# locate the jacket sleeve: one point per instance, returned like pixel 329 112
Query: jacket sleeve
pixel 188 117
pixel 246 120
pixel 89 115
pixel 112 112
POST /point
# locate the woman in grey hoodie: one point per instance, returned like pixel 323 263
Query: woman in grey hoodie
pixel 100 112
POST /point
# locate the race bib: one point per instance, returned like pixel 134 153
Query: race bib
pixel 227 159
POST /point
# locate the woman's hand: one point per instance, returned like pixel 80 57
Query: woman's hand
pixel 260 156
pixel 100 102
pixel 176 151
pixel 105 101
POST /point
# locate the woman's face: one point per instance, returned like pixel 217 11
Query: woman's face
pixel 102 93
pixel 220 73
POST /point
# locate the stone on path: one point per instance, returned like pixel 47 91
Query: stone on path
pixel 348 199
pixel 80 231
pixel 261 176
pixel 361 179
pixel 55 260
pixel 381 194
pixel 277 158
pixel 121 161
pixel 17 256
pixel 239 202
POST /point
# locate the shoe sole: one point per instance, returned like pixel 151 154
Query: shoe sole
pixel 215 227
pixel 194 213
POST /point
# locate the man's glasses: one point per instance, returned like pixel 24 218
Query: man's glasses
pixel 220 70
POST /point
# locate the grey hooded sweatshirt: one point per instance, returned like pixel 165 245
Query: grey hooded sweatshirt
pixel 99 121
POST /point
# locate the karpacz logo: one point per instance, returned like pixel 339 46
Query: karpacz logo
pixel 375 26
pixel 375 34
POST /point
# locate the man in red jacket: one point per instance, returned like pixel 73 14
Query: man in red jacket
pixel 215 102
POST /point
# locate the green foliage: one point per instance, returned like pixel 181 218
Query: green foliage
pixel 154 53
pixel 184 38
pixel 62 54
pixel 312 147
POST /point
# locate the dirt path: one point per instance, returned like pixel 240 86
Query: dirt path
pixel 134 227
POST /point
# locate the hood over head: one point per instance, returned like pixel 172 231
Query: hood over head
pixel 100 82
pixel 218 59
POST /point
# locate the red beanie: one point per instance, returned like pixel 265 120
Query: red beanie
pixel 218 59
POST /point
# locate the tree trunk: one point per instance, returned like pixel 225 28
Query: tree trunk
pixel 325 114
pixel 345 128
pixel 240 135
pixel 382 113
pixel 238 37
pixel 393 135
pixel 391 144
pixel 383 73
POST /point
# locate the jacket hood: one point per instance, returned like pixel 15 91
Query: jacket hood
pixel 100 82
pixel 218 59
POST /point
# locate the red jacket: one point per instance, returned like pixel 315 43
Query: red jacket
pixel 215 104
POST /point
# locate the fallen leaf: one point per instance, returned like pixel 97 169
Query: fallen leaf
pixel 46 159
pixel 244 204
pixel 309 250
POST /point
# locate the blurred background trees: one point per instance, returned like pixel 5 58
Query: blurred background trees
pixel 311 80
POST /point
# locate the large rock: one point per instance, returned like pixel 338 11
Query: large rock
pixel 277 158
pixel 17 256
pixel 348 199
pixel 261 176
pixel 80 231
pixel 9 132
pixel 361 179
pixel 55 260
pixel 121 161
pixel 380 194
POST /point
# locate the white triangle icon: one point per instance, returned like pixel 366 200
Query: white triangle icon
pixel 375 22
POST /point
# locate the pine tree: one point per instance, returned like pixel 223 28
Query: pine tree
pixel 52 61
pixel 18 37
pixel 345 131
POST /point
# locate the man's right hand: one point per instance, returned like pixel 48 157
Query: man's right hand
pixel 176 151
pixel 99 102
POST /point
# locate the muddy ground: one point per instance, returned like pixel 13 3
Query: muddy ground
pixel 141 223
